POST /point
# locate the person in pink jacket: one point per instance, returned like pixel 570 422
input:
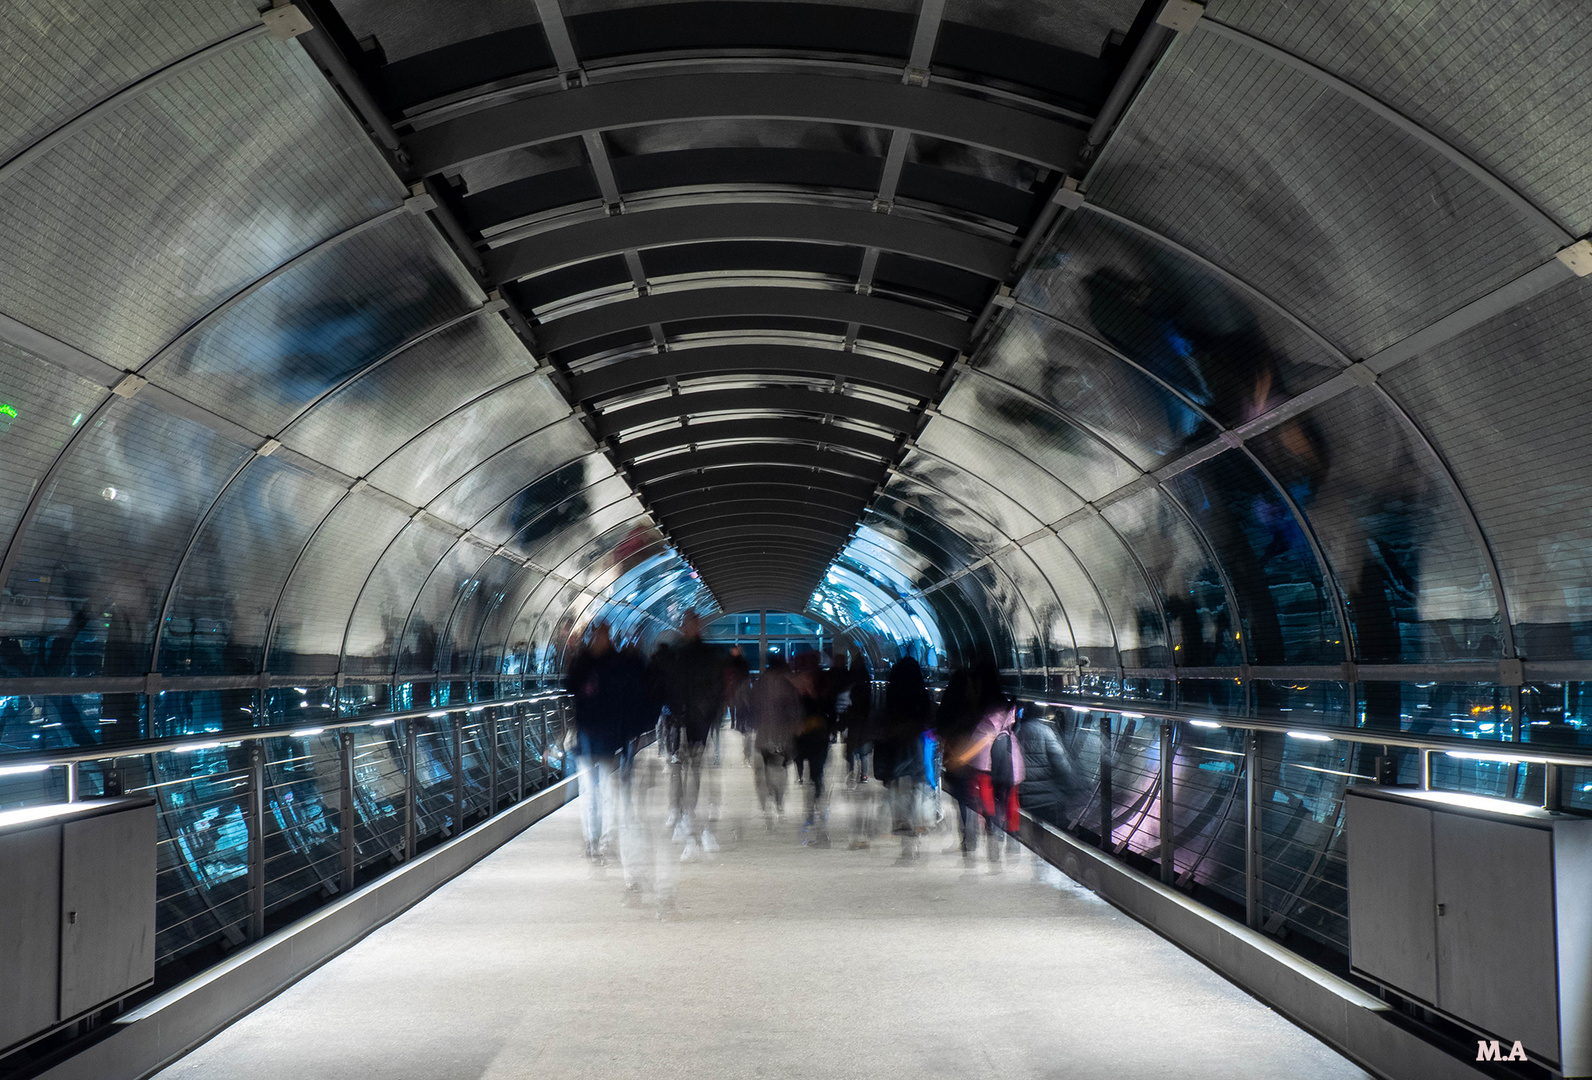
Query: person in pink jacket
pixel 994 762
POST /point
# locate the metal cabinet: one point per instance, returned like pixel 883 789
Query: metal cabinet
pixel 77 911
pixel 1479 909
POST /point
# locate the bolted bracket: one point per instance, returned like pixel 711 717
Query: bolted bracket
pixel 1578 257
pixel 1180 15
pixel 285 22
pixel 130 385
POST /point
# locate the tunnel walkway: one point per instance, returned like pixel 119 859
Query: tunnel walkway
pixel 776 960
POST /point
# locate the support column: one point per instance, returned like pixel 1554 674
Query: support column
pixel 411 793
pixel 346 813
pixel 256 841
pixel 458 775
pixel 492 764
pixel 519 740
pixel 1252 829
pixel 1168 848
pixel 1107 810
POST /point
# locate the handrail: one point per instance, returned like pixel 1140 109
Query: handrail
pixel 1505 751
pixel 206 739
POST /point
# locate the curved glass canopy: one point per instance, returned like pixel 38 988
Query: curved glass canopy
pixel 390 356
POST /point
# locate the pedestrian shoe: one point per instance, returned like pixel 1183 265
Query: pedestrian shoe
pixel 710 843
pixel 692 852
pixel 632 897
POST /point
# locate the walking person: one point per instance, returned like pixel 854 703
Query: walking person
pixel 694 694
pixel 992 762
pixel 597 679
pixel 812 746
pixel 776 711
pixel 898 750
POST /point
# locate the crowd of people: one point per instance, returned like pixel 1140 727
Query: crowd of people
pixel 901 752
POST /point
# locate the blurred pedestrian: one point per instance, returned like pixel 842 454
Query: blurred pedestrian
pixel 991 762
pixel 694 693
pixel 898 750
pixel 776 711
pixel 598 680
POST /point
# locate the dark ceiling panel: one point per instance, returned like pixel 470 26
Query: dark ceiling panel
pixel 765 430
pixel 730 302
pixel 800 222
pixel 811 96
pixel 759 359
pixel 767 399
pixel 733 457
pixel 752 480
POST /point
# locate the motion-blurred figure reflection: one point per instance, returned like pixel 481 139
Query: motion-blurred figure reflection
pixel 603 685
pixel 898 759
pixel 812 745
pixel 693 682
pixel 776 711
pixel 991 763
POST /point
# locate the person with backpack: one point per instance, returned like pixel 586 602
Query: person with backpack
pixel 991 762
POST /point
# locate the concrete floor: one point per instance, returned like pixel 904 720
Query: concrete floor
pixel 778 961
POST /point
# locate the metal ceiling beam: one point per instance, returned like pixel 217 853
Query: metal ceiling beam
pixel 759 430
pixel 769 399
pixel 767 503
pixel 814 97
pixel 727 221
pixel 756 302
pixel 753 479
pixel 755 359
pixel 827 461
pixel 706 534
pixel 775 519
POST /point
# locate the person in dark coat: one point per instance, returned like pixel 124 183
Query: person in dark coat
pixel 694 693
pixel 1047 774
pixel 600 680
pixel 898 748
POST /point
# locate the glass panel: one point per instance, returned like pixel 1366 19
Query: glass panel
pixel 1184 325
pixel 113 523
pixel 976 445
pixel 41 407
pixel 185 213
pixel 203 712
pixel 1051 640
pixel 1287 612
pixel 37 722
pixel 1505 405
pixel 1181 567
pixel 1414 582
pixel 456 444
pixel 66 57
pixel 1303 702
pixel 314 611
pixel 452 580
pixel 1324 204
pixel 1141 635
pixel 492 482
pixel 384 603
pixel 228 587
pixel 1069 453
pixel 1399 56
pixel 1462 710
pixel 1086 615
pixel 477 599
pixel 357 426
pixel 969 504
pixel 1117 401
pixel 553 503
pixel 321 321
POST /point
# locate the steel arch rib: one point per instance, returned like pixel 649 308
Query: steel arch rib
pixel 756 301
pixel 759 430
pixel 772 399
pixel 798 222
pixel 740 359
pixel 812 97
